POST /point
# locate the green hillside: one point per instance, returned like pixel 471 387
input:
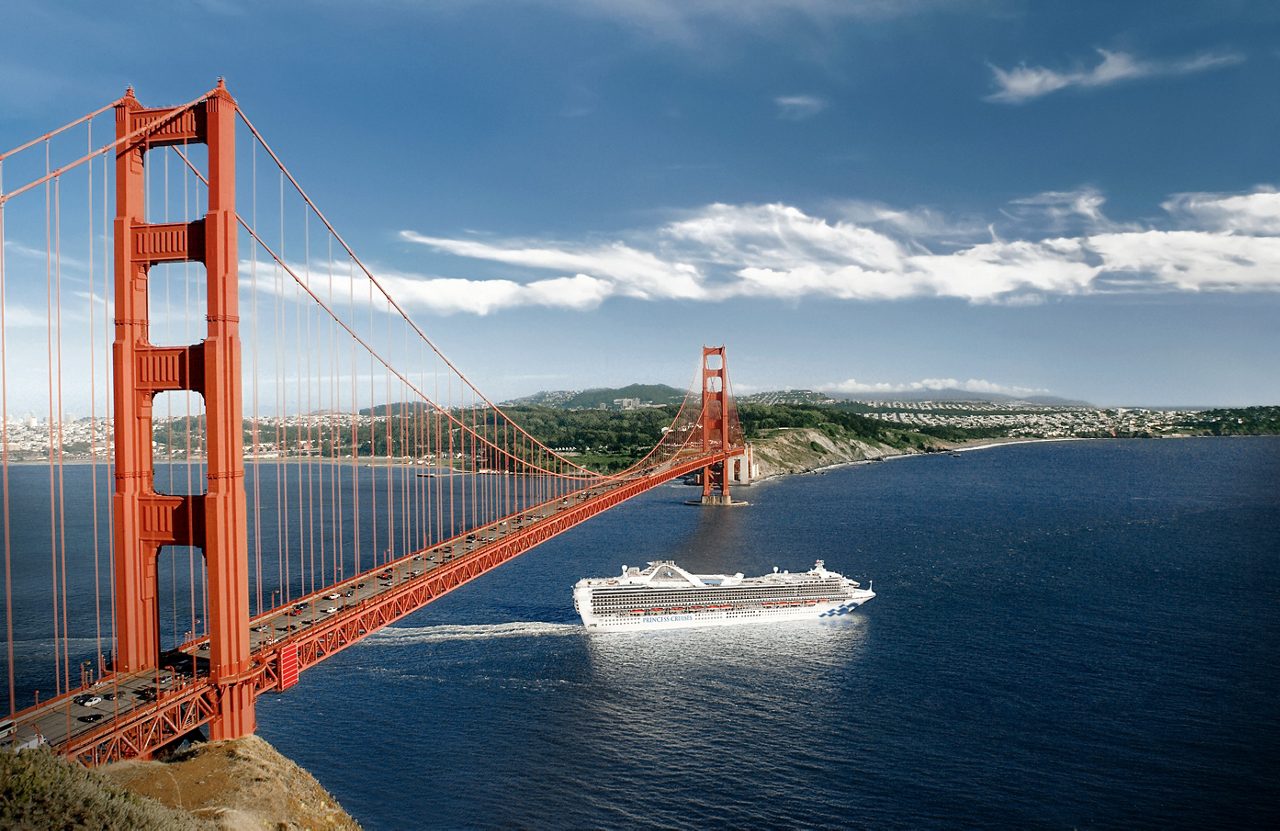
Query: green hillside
pixel 603 397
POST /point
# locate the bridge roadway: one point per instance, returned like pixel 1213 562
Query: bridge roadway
pixel 138 713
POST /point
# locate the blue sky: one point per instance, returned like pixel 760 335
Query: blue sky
pixel 1073 198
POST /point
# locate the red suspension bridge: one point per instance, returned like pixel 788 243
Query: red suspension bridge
pixel 192 516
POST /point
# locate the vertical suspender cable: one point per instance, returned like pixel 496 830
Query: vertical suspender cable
pixel 390 507
pixel 303 405
pixel 168 422
pixel 373 434
pixel 330 430
pixel 53 525
pixel 282 555
pixel 188 337
pixel 355 427
pixel 335 516
pixel 255 439
pixel 4 460
pixel 438 453
pixel 93 422
pixel 448 379
pixel 106 362
pixel 405 513
pixel 62 501
pixel 295 444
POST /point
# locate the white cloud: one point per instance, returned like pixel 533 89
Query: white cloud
pixel 1194 260
pixel 630 272
pixel 915 223
pixel 799 107
pixel 441 295
pixel 852 386
pixel 781 236
pixel 779 251
pixel 995 271
pixel 1059 208
pixel 1246 213
pixel 1024 83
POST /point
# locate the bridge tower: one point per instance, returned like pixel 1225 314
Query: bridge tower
pixel 715 424
pixel 215 521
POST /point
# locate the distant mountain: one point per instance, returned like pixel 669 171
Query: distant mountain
pixel 603 397
pixel 648 395
pixel 815 397
pixel 960 395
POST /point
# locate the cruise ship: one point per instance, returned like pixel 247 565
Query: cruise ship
pixel 665 596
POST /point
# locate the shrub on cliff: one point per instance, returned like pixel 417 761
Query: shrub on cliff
pixel 41 790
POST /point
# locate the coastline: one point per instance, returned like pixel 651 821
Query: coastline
pixel 820 464
pixel 857 453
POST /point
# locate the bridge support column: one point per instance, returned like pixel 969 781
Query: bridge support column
pixel 715 425
pixel 741 469
pixel 145 520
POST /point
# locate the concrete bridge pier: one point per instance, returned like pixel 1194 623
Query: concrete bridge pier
pixel 735 470
pixel 741 469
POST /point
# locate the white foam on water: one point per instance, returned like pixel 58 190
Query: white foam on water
pixel 405 636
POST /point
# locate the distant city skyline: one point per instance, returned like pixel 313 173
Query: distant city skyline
pixel 1070 199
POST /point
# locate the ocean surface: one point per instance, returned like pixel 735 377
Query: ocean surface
pixel 1067 635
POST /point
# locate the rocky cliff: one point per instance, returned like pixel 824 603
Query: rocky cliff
pixel 801 449
pixel 238 785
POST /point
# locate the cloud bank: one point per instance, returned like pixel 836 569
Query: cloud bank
pixel 1025 83
pixel 868 252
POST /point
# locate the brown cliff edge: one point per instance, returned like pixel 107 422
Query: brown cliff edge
pixel 238 785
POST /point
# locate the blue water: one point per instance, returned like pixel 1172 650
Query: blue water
pixel 1067 635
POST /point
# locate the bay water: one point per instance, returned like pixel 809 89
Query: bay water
pixel 1067 635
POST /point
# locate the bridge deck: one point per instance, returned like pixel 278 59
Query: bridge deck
pixel 138 713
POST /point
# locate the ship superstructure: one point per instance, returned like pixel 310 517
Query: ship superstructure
pixel 665 595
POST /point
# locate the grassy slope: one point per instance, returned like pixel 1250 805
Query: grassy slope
pixel 238 784
pixel 40 790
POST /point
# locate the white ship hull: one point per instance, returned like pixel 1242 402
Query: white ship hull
pixel 665 596
pixel 730 617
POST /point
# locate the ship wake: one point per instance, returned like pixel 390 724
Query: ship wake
pixel 409 635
